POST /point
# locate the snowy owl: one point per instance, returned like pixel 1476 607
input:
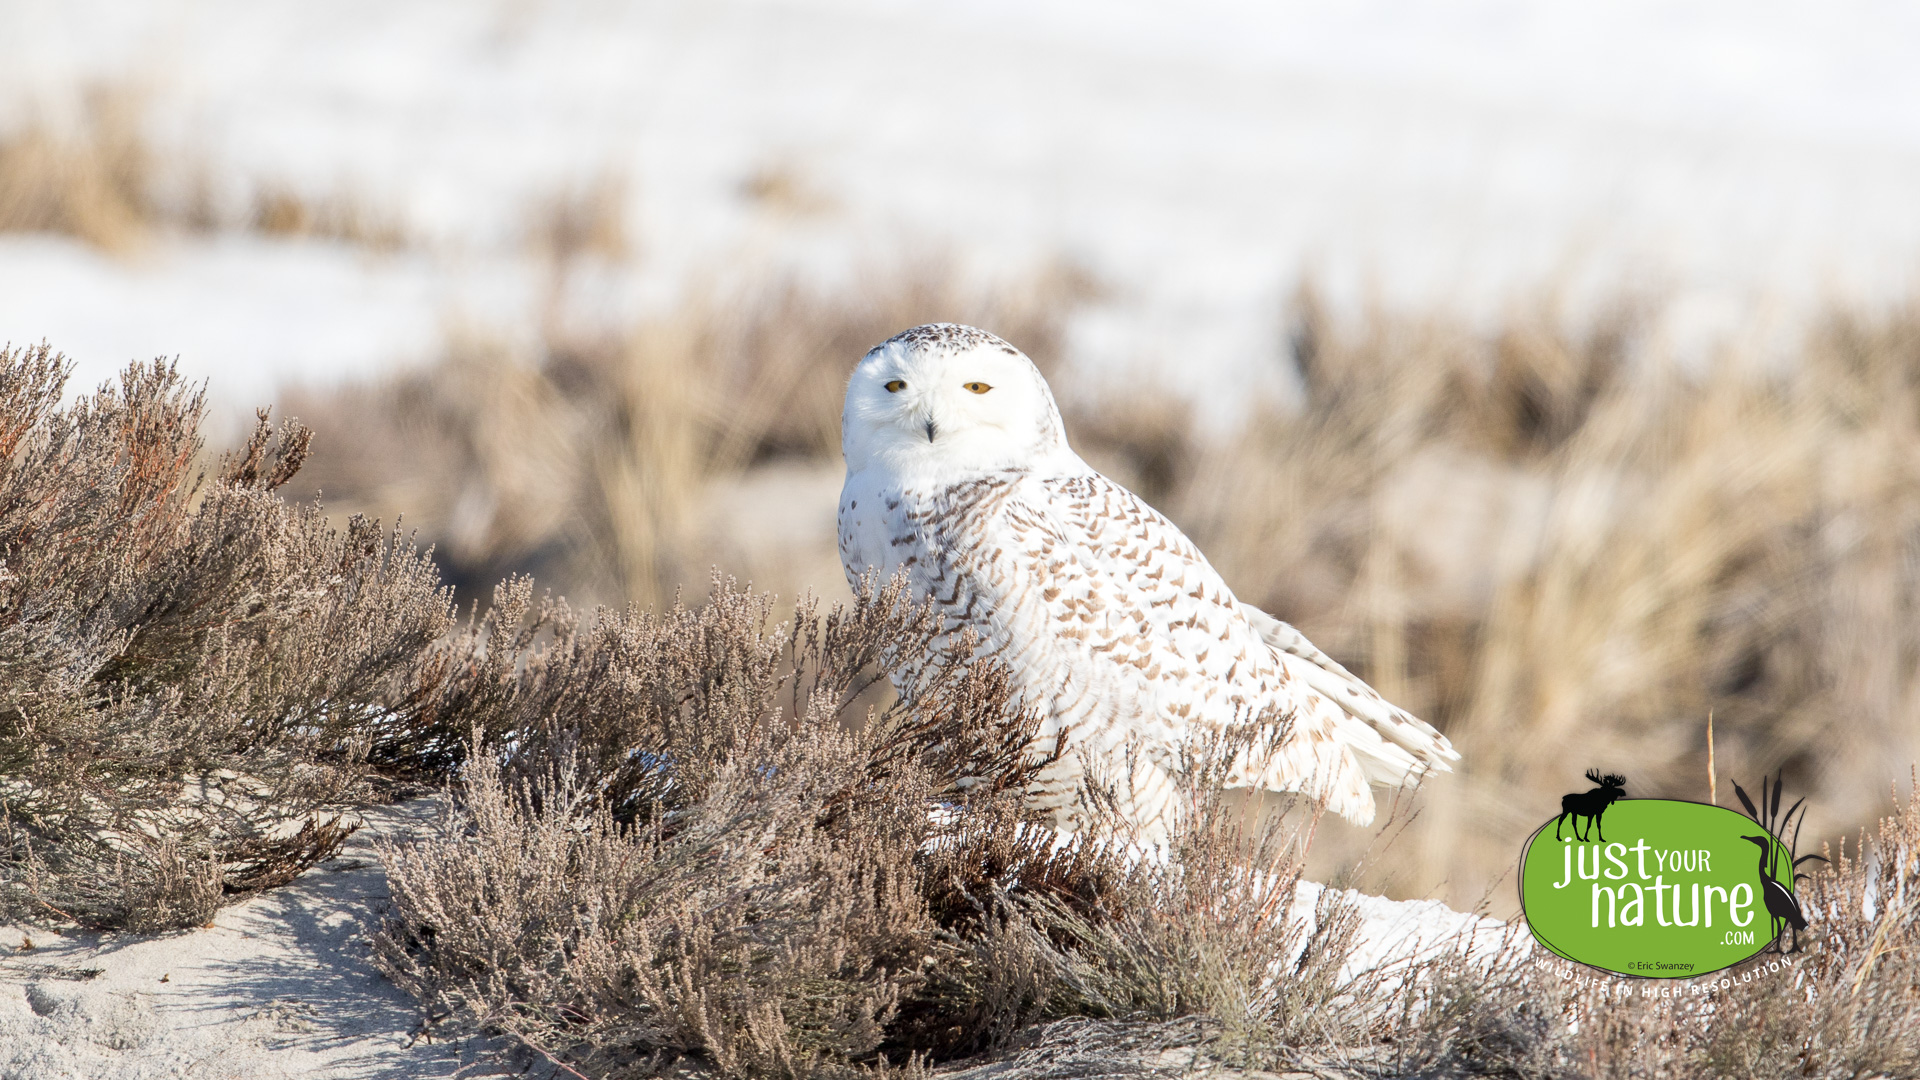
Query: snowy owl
pixel 1113 625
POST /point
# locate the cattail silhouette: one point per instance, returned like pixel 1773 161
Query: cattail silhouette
pixel 1591 804
pixel 1780 901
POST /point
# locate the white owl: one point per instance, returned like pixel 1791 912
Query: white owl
pixel 1114 627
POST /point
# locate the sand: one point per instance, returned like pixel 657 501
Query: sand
pixel 278 986
pixel 281 986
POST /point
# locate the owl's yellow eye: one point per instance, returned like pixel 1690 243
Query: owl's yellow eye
pixel 896 386
pixel 977 387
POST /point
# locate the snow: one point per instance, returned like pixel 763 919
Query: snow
pixel 1734 157
pixel 1393 935
pixel 261 311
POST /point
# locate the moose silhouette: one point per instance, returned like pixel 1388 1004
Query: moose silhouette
pixel 1591 804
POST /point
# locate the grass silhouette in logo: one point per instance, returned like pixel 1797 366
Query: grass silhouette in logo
pixel 1782 906
pixel 1591 805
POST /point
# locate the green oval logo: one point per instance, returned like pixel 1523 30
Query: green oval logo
pixel 1657 888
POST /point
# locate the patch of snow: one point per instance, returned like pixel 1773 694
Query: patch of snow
pixel 1397 932
pixel 1734 157
pixel 252 313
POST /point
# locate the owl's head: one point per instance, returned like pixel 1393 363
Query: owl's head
pixel 949 399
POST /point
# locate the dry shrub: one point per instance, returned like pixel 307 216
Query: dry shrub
pixel 191 669
pixel 584 465
pixel 1208 925
pixel 678 837
pixel 1846 1006
pixel 745 929
pixel 1566 553
pixel 670 843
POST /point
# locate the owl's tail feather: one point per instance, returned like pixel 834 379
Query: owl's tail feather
pixel 1424 748
pixel 1310 761
pixel 1393 746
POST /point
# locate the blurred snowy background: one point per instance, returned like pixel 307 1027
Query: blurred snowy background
pixel 1747 160
pixel 1553 364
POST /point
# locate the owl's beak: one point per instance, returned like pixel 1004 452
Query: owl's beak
pixel 930 430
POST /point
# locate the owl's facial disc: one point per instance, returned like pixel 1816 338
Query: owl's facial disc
pixel 942 405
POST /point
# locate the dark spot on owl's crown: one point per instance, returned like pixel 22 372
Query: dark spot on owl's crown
pixel 949 338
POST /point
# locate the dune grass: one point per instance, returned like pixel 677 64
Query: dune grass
pixel 585 463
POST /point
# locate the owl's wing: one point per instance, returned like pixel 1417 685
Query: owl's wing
pixel 1146 600
pixel 1422 749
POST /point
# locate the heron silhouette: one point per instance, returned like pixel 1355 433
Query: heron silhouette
pixel 1779 898
pixel 1780 902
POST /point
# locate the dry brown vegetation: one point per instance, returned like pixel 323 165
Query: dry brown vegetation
pixel 586 220
pixel 1560 548
pixel 673 841
pixel 90 171
pixel 337 215
pixel 678 833
pixel 673 853
pixel 93 183
pixel 98 179
pixel 192 671
pixel 1567 553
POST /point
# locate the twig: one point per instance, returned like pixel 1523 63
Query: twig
pixel 58 912
pixel 1713 783
pixel 1877 948
pixel 536 1048
pixel 425 1030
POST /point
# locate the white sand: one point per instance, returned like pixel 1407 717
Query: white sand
pixel 278 986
